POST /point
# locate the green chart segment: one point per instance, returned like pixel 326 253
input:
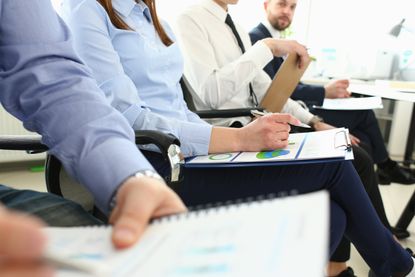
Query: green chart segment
pixel 272 154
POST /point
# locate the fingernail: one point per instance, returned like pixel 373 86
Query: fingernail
pixel 124 234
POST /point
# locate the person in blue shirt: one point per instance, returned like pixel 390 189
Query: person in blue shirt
pixel 138 65
pixel 44 84
pixel 361 123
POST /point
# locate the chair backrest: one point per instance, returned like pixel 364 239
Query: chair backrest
pixel 60 183
pixel 187 94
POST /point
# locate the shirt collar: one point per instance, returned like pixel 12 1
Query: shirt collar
pixel 215 9
pixel 125 7
pixel 274 32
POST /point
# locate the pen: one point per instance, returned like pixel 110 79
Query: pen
pixel 257 113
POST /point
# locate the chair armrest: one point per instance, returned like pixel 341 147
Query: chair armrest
pixel 228 113
pixel 168 145
pixel 29 143
pixel 160 139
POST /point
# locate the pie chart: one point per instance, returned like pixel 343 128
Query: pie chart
pixel 272 154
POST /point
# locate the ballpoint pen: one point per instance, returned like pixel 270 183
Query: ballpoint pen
pixel 257 113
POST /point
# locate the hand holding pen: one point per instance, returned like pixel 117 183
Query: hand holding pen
pixel 257 114
pixel 267 132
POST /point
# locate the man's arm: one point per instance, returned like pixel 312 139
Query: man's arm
pixel 46 86
pixel 310 94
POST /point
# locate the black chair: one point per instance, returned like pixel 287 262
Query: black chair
pixel 206 114
pixel 59 183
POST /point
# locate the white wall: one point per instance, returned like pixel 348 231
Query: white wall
pixel 355 30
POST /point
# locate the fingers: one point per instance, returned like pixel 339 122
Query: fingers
pixel 21 238
pixel 344 82
pixel 131 216
pixel 25 270
pixel 139 200
pixel 303 55
pixel 283 118
pixel 354 140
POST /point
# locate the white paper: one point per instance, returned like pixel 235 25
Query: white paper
pixel 264 239
pixel 359 103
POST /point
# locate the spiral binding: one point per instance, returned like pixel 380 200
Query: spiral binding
pixel 198 210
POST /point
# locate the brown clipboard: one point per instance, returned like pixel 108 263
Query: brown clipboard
pixel 282 86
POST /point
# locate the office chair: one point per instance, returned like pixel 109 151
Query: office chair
pixel 407 214
pixel 206 114
pixel 59 183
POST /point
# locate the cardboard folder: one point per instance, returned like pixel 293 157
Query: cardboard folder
pixel 283 84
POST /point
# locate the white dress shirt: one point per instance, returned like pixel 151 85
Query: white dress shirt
pixel 216 68
pixel 274 32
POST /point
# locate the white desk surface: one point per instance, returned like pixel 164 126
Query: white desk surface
pixel 372 89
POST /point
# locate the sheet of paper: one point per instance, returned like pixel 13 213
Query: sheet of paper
pixel 359 103
pixel 264 239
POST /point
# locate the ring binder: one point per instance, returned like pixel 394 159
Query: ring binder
pixel 345 140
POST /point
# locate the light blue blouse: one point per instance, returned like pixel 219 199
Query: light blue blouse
pixel 138 73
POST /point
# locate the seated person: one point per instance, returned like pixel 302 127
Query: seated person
pixel 361 123
pixel 136 62
pixel 221 71
pixel 44 84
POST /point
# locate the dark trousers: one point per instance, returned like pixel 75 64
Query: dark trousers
pixel 53 210
pixel 364 167
pixel 350 204
pixel 362 124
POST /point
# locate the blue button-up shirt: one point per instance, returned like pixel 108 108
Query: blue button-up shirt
pixel 45 85
pixel 138 73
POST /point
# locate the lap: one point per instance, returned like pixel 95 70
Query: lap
pixel 52 209
pixel 205 185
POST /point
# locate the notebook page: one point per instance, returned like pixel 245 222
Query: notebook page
pixel 257 239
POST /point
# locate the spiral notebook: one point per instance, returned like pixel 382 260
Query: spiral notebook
pixel 258 238
pixel 312 147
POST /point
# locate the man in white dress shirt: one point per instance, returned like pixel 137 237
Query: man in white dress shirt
pixel 223 75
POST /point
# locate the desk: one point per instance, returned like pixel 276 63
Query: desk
pixel 389 93
pixel 372 89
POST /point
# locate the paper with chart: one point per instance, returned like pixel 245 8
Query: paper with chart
pixel 265 239
pixel 353 103
pixel 328 144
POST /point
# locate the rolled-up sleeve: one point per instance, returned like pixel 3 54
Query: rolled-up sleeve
pixel 45 85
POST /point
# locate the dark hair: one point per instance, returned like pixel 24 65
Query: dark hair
pixel 120 24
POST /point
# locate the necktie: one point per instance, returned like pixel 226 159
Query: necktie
pixel 230 23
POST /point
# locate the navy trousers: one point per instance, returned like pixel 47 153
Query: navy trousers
pixel 53 210
pixel 362 124
pixel 350 206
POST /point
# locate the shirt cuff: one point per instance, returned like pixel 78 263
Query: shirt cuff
pixel 259 54
pixel 107 166
pixel 295 109
pixel 195 138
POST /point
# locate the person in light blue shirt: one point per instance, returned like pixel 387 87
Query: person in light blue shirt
pixel 45 85
pixel 137 63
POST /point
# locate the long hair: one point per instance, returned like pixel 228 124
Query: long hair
pixel 120 24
